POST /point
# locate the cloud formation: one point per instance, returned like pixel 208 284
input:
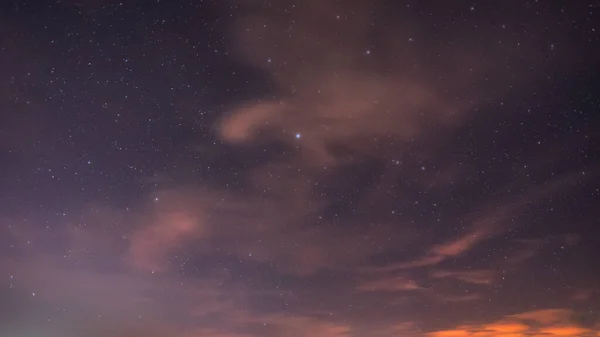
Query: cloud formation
pixel 337 89
pixel 549 322
pixel 469 276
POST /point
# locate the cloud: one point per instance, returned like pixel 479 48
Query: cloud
pixel 297 326
pixel 546 316
pixel 441 252
pixel 459 298
pixel 482 276
pixel 339 91
pixel 515 327
pixel 393 283
pixel 273 324
pixel 523 250
pixel 211 332
pixel 150 245
pixel 112 298
pixel 489 222
pixel 583 294
pixel 399 329
pixel 254 230
pixel 548 322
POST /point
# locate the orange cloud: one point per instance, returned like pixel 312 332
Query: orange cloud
pixel 549 322
pixel 547 316
pixel 506 328
pixel 450 333
pixel 565 331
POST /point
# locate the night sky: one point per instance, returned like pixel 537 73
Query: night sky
pixel 317 168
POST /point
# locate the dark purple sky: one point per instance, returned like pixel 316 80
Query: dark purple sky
pixel 317 168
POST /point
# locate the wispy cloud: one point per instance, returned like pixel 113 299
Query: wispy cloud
pixel 392 283
pixel 455 248
pixel 482 276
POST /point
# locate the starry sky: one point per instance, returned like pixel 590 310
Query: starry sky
pixel 318 168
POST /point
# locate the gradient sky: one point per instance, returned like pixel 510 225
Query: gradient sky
pixel 315 168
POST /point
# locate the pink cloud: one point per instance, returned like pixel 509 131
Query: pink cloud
pixel 469 276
